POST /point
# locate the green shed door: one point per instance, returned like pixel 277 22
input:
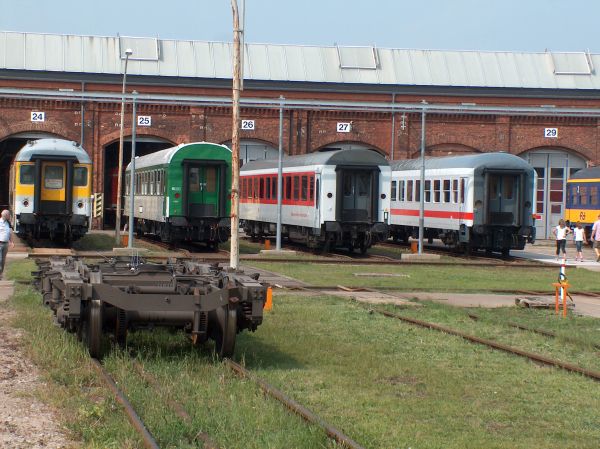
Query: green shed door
pixel 203 191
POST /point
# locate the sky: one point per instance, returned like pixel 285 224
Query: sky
pixel 511 25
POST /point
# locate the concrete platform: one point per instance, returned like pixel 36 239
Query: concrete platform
pixel 281 252
pixel 545 252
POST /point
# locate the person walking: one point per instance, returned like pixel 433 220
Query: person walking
pixel 580 239
pixel 5 238
pixel 561 232
pixel 596 238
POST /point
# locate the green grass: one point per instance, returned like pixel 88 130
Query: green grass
pixel 435 277
pixel 95 242
pixel 385 383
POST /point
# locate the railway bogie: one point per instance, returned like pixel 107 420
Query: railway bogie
pixel 472 202
pixel 329 199
pixel 117 296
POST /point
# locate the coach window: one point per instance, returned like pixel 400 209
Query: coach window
pixel 437 193
pixel 26 175
pixel 304 191
pixel 80 176
pixel 288 187
pixel 53 177
pixel 261 188
pixel 583 195
pixel 508 188
pixel 274 188
pixel 401 192
pixel 268 187
pixel 409 190
pixel 255 188
pixel 455 191
pixel 311 183
pixel 152 181
pixel 296 188
pixel 428 191
pixel 127 181
pixel 462 190
pixel 417 190
pixel 594 196
pixel 446 190
pixel 393 191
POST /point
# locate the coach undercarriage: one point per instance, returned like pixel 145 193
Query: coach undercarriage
pixel 360 236
pixel 210 231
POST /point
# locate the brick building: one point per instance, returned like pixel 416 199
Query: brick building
pixel 334 97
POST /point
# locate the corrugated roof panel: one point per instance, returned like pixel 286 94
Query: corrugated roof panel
pixel 221 54
pixel 457 71
pixel 313 64
pixel 72 48
pixel 168 62
pixel 204 62
pixel 474 73
pixel 508 68
pixel 331 68
pixel 386 65
pixel 542 64
pixel 402 67
pixel 185 58
pixel 55 63
pixel 438 67
pixel 110 56
pixel 295 63
pixel 143 48
pixel 35 52
pixel 526 69
pixel 91 54
pixel 257 62
pixel 277 62
pixel 491 71
pixel 420 67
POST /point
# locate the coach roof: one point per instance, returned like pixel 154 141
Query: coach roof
pixel 55 148
pixel 165 156
pixel 587 173
pixel 472 161
pixel 352 157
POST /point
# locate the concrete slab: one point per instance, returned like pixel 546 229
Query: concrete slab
pixel 275 252
pixel 419 257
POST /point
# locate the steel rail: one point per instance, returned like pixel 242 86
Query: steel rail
pixel 175 406
pixel 595 375
pixel 294 406
pixel 134 419
pixel 537 330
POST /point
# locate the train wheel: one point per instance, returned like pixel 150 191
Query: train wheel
pixel 226 330
pixel 91 329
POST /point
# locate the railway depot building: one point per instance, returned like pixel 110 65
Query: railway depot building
pixel 543 107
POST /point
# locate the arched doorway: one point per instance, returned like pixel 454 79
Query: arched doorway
pixel 143 145
pixel 9 147
pixel 553 167
pixel 252 150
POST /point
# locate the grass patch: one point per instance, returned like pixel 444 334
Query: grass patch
pixel 95 242
pixel 435 278
pixel 389 384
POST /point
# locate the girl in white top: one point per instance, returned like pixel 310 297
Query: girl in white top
pixel 561 232
pixel 580 239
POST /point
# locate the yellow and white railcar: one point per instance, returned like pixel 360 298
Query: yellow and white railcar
pixel 50 190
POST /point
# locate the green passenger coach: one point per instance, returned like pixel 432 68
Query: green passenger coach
pixel 183 193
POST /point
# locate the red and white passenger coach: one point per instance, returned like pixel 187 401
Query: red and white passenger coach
pixel 330 198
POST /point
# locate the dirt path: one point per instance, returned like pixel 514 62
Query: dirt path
pixel 25 422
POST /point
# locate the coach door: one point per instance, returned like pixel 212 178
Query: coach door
pixel 357 195
pixel 53 192
pixel 503 199
pixel 203 190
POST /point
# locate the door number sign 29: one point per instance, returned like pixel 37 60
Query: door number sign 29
pixel 551 133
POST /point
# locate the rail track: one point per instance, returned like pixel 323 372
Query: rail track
pixel 539 358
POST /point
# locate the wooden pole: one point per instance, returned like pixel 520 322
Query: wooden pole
pixel 235 140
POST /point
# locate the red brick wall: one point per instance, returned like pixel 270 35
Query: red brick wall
pixel 304 130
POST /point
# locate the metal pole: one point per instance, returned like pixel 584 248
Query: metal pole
pixel 393 128
pixel 128 53
pixel 422 186
pixel 132 174
pixel 235 141
pixel 280 175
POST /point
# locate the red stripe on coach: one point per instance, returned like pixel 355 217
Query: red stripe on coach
pixel 434 214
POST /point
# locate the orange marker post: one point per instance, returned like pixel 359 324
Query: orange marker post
pixel 267 244
pixel 269 300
